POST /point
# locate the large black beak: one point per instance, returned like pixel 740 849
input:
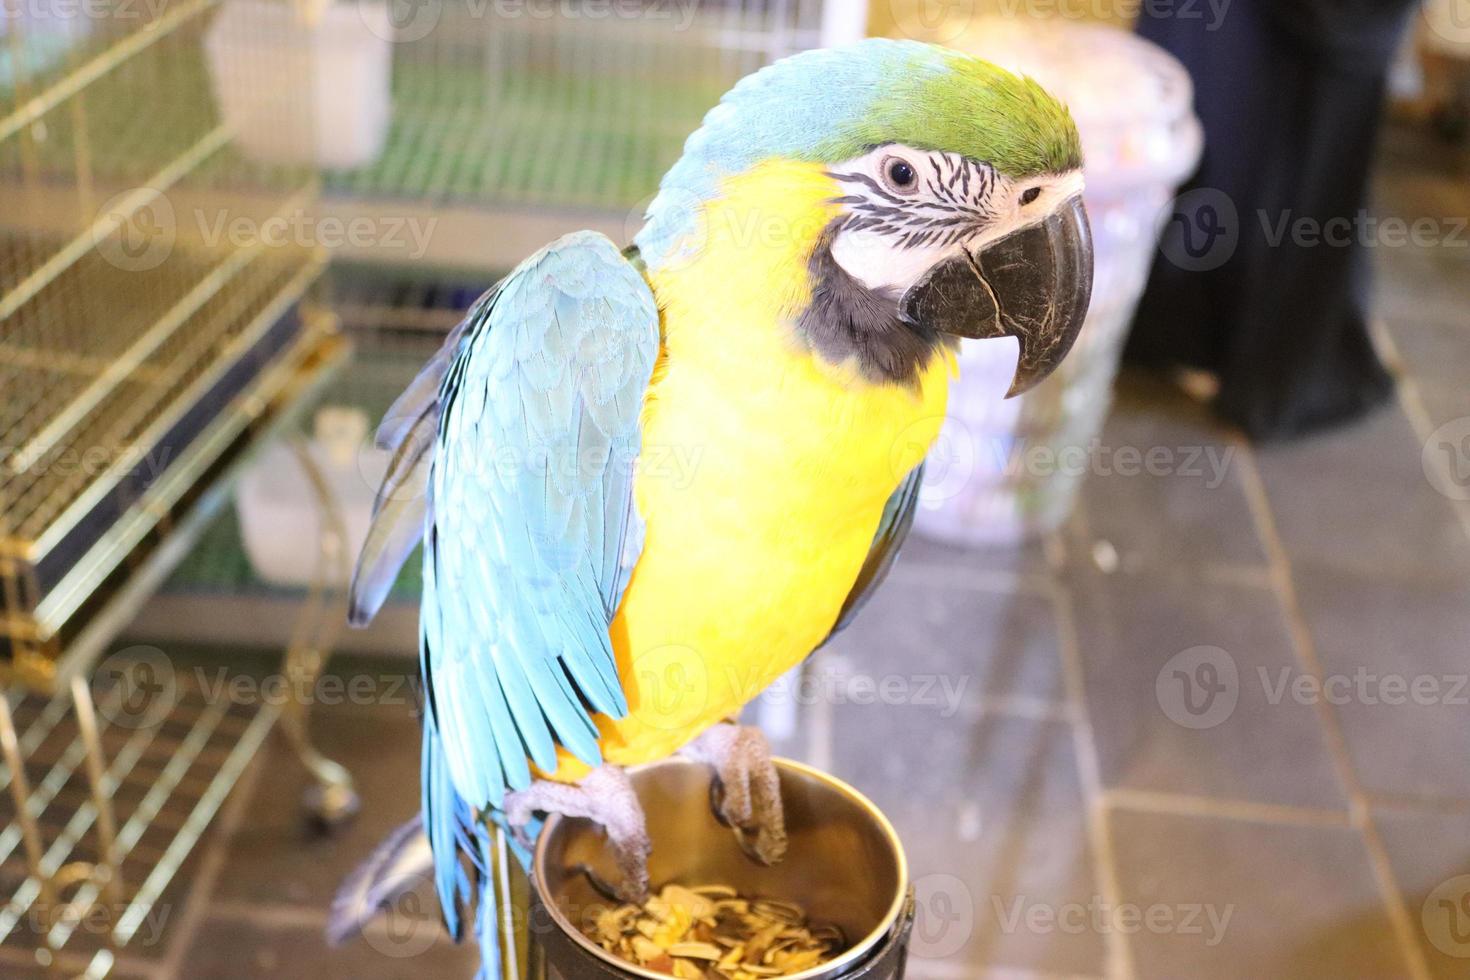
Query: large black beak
pixel 1033 284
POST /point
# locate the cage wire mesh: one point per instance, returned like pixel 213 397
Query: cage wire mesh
pixel 562 102
pixel 151 324
pixel 509 110
pixel 136 281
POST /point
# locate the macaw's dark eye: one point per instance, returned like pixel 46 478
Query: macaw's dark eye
pixel 1030 194
pixel 899 175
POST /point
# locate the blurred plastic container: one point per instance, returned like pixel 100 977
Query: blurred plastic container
pixel 1003 470
pixel 36 34
pixel 261 53
pixel 280 513
pixel 1447 28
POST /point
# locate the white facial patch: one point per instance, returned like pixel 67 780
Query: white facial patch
pixel 908 210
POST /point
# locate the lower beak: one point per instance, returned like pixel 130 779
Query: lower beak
pixel 1033 284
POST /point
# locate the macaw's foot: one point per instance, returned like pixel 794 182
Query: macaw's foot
pixel 605 795
pixel 747 789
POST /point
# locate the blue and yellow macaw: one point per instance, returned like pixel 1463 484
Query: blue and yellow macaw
pixel 782 327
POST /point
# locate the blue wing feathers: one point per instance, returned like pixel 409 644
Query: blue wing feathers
pixel 533 532
pixel 513 454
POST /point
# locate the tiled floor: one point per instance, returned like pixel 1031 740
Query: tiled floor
pixel 1242 749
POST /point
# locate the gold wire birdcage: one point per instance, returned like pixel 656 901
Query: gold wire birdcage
pixel 156 324
pixel 162 164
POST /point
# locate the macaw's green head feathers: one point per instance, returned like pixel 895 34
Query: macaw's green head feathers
pixel 947 197
pixel 832 105
pixel 945 101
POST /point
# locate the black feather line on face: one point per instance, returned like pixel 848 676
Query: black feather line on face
pixel 848 322
pixel 915 222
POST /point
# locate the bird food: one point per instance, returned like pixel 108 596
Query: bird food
pixel 709 932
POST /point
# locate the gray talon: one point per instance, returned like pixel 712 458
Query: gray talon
pixel 605 796
pixel 747 790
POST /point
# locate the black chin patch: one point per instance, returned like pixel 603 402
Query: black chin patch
pixel 848 322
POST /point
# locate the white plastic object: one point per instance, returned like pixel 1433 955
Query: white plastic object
pixel 47 30
pixel 1005 470
pixel 1447 28
pixel 280 516
pixel 303 85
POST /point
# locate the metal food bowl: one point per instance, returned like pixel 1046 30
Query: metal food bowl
pixel 845 866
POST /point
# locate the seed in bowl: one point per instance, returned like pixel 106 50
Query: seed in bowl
pixel 708 932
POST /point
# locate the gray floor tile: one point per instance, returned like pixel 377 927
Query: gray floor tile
pixel 976 643
pixel 1446 405
pixel 1166 486
pixel 1358 499
pixel 1301 902
pixel 245 950
pixel 275 857
pixel 1027 557
pixel 992 817
pixel 1435 353
pixel 1148 643
pixel 1396 654
pixel 1422 285
pixel 1430 855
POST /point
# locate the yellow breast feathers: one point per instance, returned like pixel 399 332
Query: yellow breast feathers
pixel 763 475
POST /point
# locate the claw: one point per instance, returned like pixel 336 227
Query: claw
pixel 746 792
pixel 605 795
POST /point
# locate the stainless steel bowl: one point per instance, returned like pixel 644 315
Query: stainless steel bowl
pixel 845 865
